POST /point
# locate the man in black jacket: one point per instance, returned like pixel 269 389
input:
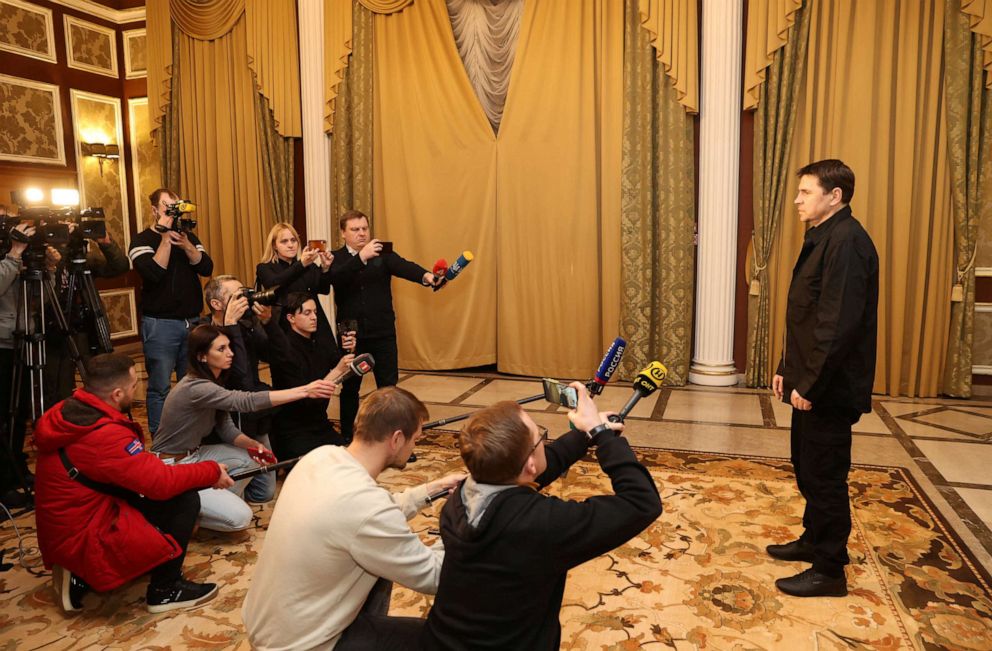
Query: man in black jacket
pixel 169 263
pixel 508 548
pixel 362 276
pixel 827 370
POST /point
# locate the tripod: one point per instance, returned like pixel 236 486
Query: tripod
pixel 90 313
pixel 37 297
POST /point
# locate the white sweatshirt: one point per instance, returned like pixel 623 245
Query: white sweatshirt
pixel 333 533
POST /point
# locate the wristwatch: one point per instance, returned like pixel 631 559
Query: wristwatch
pixel 596 431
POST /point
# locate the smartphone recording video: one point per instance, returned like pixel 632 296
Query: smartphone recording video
pixel 558 393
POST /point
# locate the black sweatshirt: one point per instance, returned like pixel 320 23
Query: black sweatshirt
pixel 502 582
pixel 173 292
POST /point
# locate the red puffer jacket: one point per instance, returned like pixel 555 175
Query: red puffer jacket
pixel 101 538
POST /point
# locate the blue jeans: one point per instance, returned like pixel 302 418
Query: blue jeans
pixel 164 343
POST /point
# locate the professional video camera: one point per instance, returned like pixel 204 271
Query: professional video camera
pixel 182 220
pixel 51 227
pixel 261 296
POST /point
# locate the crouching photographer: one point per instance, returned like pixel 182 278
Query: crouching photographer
pixel 241 313
pixel 508 547
pixel 107 510
pixel 199 405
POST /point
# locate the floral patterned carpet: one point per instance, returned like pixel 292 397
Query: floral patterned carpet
pixel 698 578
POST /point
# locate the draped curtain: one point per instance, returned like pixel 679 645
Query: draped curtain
pixel 873 97
pixel 657 212
pixel 774 126
pixel 969 124
pixel 226 107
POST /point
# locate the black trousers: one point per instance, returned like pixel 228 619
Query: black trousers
pixel 821 458
pixel 386 370
pixel 374 630
pixel 176 517
pixel 13 460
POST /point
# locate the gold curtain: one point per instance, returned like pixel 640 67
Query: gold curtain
pixel 220 150
pixel 352 140
pixel 873 98
pixel 274 57
pixel 160 47
pixel 276 158
pixel 969 123
pixel 768 26
pixel 673 29
pixel 558 190
pixel 206 19
pixel 434 182
pixel 657 213
pixel 168 133
pixel 979 14
pixel 774 126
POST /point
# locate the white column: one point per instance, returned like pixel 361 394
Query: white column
pixel 316 153
pixel 719 151
pixel 316 149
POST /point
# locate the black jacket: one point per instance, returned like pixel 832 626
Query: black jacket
pixel 502 582
pixel 250 344
pixel 364 291
pixel 173 292
pixel 832 317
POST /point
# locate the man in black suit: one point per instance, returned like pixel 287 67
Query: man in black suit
pixel 362 276
pixel 827 370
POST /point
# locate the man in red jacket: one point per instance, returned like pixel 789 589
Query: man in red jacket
pixel 107 510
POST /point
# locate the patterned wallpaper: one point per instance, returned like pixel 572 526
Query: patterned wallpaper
pixel 90 47
pixel 30 121
pixel 91 117
pixel 136 56
pixel 119 305
pixel 25 29
pixel 146 160
pixel 982 346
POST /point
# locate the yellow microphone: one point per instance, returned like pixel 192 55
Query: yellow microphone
pixel 647 382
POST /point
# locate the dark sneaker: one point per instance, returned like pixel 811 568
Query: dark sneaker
pixel 69 589
pixel 797 550
pixel 811 583
pixel 181 594
pixel 413 457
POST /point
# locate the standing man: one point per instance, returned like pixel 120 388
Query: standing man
pixel 338 540
pixel 362 274
pixel 170 263
pixel 827 371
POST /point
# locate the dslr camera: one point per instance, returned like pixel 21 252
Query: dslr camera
pixel 265 297
pixel 181 212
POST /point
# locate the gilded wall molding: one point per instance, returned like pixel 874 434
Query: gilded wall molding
pixel 135 53
pixel 121 312
pixel 90 47
pixel 28 30
pixel 30 122
pixel 119 16
pixel 146 167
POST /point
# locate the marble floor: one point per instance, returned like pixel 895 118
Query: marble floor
pixel 945 444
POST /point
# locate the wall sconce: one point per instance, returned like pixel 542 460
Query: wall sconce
pixel 101 152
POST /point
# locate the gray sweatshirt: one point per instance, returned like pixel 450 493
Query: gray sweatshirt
pixel 197 407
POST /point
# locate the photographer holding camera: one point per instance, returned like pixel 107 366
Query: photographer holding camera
pixel 169 258
pixel 508 547
pixel 239 315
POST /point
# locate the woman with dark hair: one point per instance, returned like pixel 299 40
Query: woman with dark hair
pixel 199 404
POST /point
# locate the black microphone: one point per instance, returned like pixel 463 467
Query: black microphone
pixel 646 383
pixel 438 495
pixel 607 367
pixel 358 367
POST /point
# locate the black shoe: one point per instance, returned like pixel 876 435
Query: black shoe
pixel 69 589
pixel 797 550
pixel 811 583
pixel 181 594
pixel 15 499
pixel 413 457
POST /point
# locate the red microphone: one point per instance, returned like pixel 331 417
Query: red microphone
pixel 440 269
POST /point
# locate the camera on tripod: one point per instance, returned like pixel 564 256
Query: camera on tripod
pixel 181 213
pixel 265 297
pixel 51 226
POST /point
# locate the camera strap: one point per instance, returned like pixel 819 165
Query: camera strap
pixel 76 475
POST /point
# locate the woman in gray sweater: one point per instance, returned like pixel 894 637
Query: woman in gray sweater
pixel 200 405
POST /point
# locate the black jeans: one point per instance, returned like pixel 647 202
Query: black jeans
pixel 386 370
pixel 176 517
pixel 13 460
pixel 374 630
pixel 821 458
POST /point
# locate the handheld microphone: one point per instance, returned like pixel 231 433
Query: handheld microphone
pixel 438 495
pixel 440 269
pixel 607 367
pixel 646 383
pixel 459 264
pixel 359 366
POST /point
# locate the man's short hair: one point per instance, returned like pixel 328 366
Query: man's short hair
pixel 106 372
pixel 387 410
pixel 294 302
pixel 495 443
pixel 831 173
pixel 349 215
pixel 155 196
pixel 214 291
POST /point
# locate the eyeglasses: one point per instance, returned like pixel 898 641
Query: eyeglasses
pixel 542 439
